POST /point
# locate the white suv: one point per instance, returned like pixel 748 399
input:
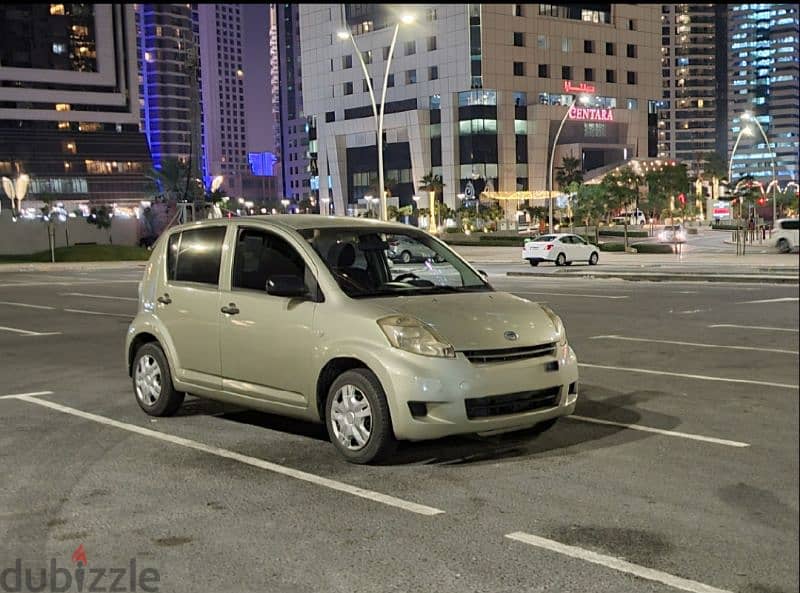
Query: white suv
pixel 786 233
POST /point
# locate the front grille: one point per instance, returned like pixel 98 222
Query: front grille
pixel 509 354
pixel 511 403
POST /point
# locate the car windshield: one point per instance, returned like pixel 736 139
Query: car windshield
pixel 369 263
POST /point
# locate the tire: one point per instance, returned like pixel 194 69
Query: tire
pixel 405 257
pixel 533 262
pixel 152 382
pixel 363 387
pixel 593 258
pixel 561 259
pixel 784 246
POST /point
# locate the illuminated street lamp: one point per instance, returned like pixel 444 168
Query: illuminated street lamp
pixel 405 19
pixel 748 116
pixel 585 100
pixel 285 203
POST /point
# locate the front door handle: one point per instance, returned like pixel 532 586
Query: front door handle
pixel 231 309
pixel 164 300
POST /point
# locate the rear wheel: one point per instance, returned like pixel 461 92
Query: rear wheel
pixel 405 257
pixel 533 262
pixel 561 259
pixel 593 259
pixel 357 417
pixel 783 246
pixel 152 382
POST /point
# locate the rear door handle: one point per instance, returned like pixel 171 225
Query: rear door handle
pixel 164 300
pixel 231 309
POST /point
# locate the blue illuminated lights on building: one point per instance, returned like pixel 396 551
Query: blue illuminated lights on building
pixel 764 75
pixel 262 163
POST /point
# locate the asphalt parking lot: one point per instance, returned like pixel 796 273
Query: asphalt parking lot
pixel 678 472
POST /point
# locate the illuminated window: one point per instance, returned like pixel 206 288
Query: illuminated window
pixel 89 127
pixel 63 125
pixel 63 106
pixel 59 48
pixel 69 147
pixel 57 9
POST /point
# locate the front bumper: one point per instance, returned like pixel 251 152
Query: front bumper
pixel 443 385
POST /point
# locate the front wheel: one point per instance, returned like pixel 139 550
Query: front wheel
pixel 152 382
pixel 357 417
pixel 783 246
pixel 561 259
pixel 405 257
pixel 593 258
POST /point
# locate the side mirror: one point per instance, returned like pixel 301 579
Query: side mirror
pixel 286 286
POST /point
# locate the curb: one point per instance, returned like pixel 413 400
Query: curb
pixel 72 266
pixel 633 276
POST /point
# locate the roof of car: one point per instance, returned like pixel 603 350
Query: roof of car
pixel 305 221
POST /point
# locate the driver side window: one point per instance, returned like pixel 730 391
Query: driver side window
pixel 260 255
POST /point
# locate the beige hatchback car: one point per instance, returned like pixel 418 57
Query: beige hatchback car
pixel 309 316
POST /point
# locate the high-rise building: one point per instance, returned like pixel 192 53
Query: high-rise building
pixel 168 81
pixel 477 93
pixel 275 89
pixel 293 131
pixel 764 81
pixel 220 39
pixel 69 110
pixel 694 73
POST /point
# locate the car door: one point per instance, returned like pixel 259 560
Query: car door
pixel 266 339
pixel 567 246
pixel 188 303
pixel 581 248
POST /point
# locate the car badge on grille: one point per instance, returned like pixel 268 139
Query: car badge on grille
pixel 509 335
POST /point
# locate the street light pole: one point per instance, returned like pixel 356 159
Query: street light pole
pixel 747 116
pixel 582 99
pixel 378 115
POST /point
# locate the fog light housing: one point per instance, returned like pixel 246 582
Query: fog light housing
pixel 418 409
pixel 572 393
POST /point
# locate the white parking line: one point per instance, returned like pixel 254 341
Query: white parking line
pixel 99 313
pixel 698 345
pixel 25 332
pixel 80 283
pixel 27 305
pixel 760 327
pixel 614 563
pixel 686 375
pixel 18 395
pixel 98 296
pixel 671 433
pixel 247 460
pixel 781 300
pixel 572 294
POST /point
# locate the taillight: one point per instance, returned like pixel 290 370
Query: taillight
pixel 549 246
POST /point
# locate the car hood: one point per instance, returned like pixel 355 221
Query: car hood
pixel 478 320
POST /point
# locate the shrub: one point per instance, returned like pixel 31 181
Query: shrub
pixel 612 247
pixel 621 233
pixel 486 239
pixel 652 248
pixel 723 227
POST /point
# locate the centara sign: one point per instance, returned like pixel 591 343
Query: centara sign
pixel 590 114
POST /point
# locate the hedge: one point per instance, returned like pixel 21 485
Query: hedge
pixel 725 227
pixel 485 239
pixel 652 248
pixel 612 247
pixel 610 233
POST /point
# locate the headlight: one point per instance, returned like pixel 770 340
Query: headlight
pixel 412 335
pixel 557 323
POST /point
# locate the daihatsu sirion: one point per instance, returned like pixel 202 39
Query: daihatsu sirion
pixel 308 316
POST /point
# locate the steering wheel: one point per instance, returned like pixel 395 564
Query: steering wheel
pixel 407 275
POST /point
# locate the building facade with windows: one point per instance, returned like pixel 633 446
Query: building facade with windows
pixel 477 93
pixel 291 130
pixel 693 111
pixel 69 110
pixel 764 42
pixel 168 94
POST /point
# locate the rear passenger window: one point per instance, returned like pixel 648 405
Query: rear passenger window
pixel 791 225
pixel 197 254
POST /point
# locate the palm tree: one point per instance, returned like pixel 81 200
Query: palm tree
pixel 621 188
pixel 569 172
pixel 434 185
pixel 170 179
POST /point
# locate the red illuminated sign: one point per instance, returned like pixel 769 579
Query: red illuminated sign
pixel 590 114
pixel 578 88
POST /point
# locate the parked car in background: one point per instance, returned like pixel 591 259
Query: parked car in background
pixel 672 233
pixel 561 249
pixel 404 250
pixel 305 316
pixel 786 235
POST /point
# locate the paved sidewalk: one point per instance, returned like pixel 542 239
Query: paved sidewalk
pixel 72 266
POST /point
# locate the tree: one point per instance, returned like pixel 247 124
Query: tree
pixel 714 166
pixel 662 184
pixel 392 212
pixel 621 188
pixel 171 181
pixel 569 172
pixel 590 206
pixel 101 218
pixel 374 188
pixel 432 184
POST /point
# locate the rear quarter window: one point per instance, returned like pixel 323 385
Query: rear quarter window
pixel 195 255
pixel 790 225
